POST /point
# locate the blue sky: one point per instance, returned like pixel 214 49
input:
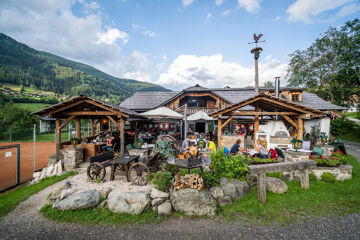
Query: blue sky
pixel 175 43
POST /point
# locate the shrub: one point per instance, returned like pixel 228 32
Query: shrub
pixel 170 167
pixel 312 177
pixel 328 177
pixel 336 159
pixel 342 126
pixel 162 180
pixel 275 175
pixel 263 160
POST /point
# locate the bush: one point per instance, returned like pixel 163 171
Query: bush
pixel 328 177
pixel 263 160
pixel 275 175
pixel 342 126
pixel 162 180
pixel 312 177
pixel 336 159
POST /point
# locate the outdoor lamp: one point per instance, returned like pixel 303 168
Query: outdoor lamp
pixel 201 144
pixel 74 142
pixel 296 144
pixel 324 137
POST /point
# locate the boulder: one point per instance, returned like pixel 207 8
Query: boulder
pixel 57 192
pixel 105 192
pixel 43 173
pixel 275 185
pixel 165 209
pixel 36 175
pixel 81 200
pixel 157 201
pixel 158 194
pixel 193 202
pixel 128 202
pixel 67 192
pixel 216 192
pixel 49 170
pixel 59 168
pixel 224 200
pixel 235 188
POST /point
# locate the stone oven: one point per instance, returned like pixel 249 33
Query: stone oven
pixel 274 134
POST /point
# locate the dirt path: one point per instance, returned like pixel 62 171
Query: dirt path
pixel 25 222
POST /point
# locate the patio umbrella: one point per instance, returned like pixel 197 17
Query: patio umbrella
pixel 162 112
pixel 200 115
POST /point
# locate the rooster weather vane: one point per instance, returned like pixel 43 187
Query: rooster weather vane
pixel 257 50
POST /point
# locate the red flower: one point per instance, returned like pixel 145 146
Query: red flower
pixel 340 151
pixel 322 157
pixel 310 155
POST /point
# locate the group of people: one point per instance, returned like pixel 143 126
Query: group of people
pixel 260 150
pixel 188 144
pixel 108 139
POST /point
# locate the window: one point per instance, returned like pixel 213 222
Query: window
pixel 295 97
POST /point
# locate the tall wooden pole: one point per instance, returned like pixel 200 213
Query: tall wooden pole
pixel 300 128
pixel 256 125
pixel 58 138
pixel 78 128
pixel 110 126
pixel 219 130
pixel 256 75
pixel 92 127
pixel 122 136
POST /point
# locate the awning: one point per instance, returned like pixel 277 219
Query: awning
pixel 162 112
pixel 200 115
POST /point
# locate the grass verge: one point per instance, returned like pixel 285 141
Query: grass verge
pixel 351 137
pixel 322 199
pixel 355 115
pixel 9 200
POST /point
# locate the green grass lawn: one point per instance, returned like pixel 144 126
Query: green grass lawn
pixel 32 107
pixel 351 137
pixel 40 137
pixel 26 89
pixel 353 115
pixel 322 199
pixel 9 200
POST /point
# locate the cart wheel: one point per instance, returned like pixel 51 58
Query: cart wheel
pixel 96 171
pixel 139 173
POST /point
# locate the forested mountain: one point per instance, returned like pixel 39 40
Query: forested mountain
pixel 22 65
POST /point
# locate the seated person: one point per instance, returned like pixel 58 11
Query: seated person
pixel 141 135
pixel 110 144
pixel 235 148
pixel 100 138
pixel 211 145
pixel 186 144
pixel 260 149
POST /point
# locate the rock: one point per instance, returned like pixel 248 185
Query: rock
pixel 67 192
pixel 252 179
pixel 158 194
pixel 275 185
pixel 57 192
pixel 36 175
pixel 128 202
pixel 59 168
pixel 154 208
pixel 55 170
pixel 81 200
pixel 157 201
pixel 216 192
pixel 224 181
pixel 224 200
pixel 165 209
pixel 43 173
pixel 193 202
pixel 105 192
pixel 235 188
pixel 49 170
pixel 102 204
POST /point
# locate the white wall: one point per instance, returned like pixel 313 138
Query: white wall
pixel 323 123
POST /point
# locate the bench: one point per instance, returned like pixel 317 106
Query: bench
pixel 98 163
pixel 261 170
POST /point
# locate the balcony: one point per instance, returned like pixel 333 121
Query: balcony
pixel 192 110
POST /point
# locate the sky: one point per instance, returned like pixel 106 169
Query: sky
pixel 175 43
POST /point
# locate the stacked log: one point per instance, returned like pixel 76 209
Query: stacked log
pixel 188 181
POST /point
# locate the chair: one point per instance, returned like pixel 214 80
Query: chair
pixel 280 154
pixel 129 147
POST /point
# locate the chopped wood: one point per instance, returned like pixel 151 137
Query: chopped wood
pixel 193 181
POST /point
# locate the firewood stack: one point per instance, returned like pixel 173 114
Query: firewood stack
pixel 188 181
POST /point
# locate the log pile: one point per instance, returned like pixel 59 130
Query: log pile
pixel 188 181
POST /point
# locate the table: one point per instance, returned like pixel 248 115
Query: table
pixel 123 161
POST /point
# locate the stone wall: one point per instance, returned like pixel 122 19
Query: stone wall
pixel 73 157
pixel 341 173
pixel 292 156
pixel 229 141
pixel 328 150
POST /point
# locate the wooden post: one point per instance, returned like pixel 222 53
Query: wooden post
pixel 219 130
pixel 122 136
pixel 135 131
pixel 110 126
pixel 305 179
pixel 78 128
pixel 58 138
pixel 261 185
pixel 256 124
pixel 92 127
pixel 300 128
pixel 101 125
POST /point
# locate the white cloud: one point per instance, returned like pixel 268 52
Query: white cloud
pixel 213 71
pixel 226 12
pixel 186 3
pixel 249 5
pixel 219 2
pixel 309 11
pixel 348 10
pixel 111 36
pixel 146 32
pixel 208 16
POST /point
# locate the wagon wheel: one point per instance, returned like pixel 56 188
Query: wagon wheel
pixel 139 173
pixel 96 171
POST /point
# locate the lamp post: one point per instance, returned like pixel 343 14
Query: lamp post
pixel 256 51
pixel 296 144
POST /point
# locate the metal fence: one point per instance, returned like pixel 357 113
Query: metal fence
pixel 9 166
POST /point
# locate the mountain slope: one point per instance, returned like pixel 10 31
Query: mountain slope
pixel 20 64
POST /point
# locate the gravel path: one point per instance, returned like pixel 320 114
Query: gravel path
pixel 353 148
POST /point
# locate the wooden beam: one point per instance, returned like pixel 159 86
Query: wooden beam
pixel 219 131
pixel 112 120
pixel 92 132
pixel 78 128
pixel 232 108
pixel 108 108
pixel 122 136
pixel 290 121
pixel 110 126
pixel 253 113
pixel 300 128
pixel 227 121
pixel 58 138
pixel 256 125
pixel 305 116
pixel 67 121
pixel 65 107
pixel 90 113
pixel 286 105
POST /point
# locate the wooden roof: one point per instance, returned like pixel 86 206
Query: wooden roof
pixel 268 103
pixel 86 107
